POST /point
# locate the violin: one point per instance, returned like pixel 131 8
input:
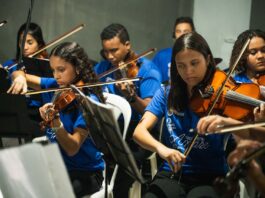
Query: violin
pixel 237 100
pixel 219 92
pixel 61 101
pixel 132 70
pixel 261 80
pixel 229 186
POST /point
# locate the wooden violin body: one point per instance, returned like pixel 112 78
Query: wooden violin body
pixel 60 103
pixel 229 104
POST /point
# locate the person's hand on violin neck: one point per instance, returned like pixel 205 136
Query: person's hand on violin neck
pixel 127 89
pixel 19 84
pixel 47 112
pixel 259 113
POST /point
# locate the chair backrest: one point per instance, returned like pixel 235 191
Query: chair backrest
pixel 34 170
pixel 121 106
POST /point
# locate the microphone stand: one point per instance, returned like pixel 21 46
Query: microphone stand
pixel 20 65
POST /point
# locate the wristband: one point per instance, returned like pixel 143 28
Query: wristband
pixel 23 69
pixel 55 129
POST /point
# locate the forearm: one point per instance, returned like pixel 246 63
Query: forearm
pixel 258 134
pixel 70 143
pixel 33 81
pixel 140 104
pixel 257 178
pixel 17 73
pixel 142 136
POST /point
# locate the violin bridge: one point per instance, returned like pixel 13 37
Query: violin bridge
pixel 208 92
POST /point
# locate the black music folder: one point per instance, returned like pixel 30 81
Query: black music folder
pixel 105 132
pixel 14 118
pixel 38 67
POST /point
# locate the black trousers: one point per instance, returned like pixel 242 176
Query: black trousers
pixel 85 183
pixel 166 186
pixel 123 181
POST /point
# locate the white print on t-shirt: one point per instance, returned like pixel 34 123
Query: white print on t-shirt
pixel 168 71
pixel 183 140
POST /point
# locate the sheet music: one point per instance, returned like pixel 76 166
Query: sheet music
pixel 33 170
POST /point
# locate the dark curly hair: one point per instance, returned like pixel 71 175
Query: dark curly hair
pixel 178 96
pixel 72 53
pixel 241 40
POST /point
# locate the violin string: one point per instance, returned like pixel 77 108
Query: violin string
pixel 218 94
pixel 232 95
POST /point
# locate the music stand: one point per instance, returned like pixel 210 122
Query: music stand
pixel 14 119
pixel 4 81
pixel 105 132
pixel 38 67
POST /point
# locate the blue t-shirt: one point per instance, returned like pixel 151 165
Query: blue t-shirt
pixel 242 78
pixel 145 88
pixel 207 156
pixel 162 60
pixel 88 157
pixel 8 64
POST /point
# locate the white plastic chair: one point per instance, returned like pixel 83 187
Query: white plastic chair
pixel 152 158
pixel 120 107
pixel 135 190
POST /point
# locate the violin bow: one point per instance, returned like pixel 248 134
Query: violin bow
pixel 219 92
pixel 53 42
pixel 82 86
pixel 60 38
pixel 237 127
pixel 126 63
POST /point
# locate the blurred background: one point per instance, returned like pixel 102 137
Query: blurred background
pixel 149 22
